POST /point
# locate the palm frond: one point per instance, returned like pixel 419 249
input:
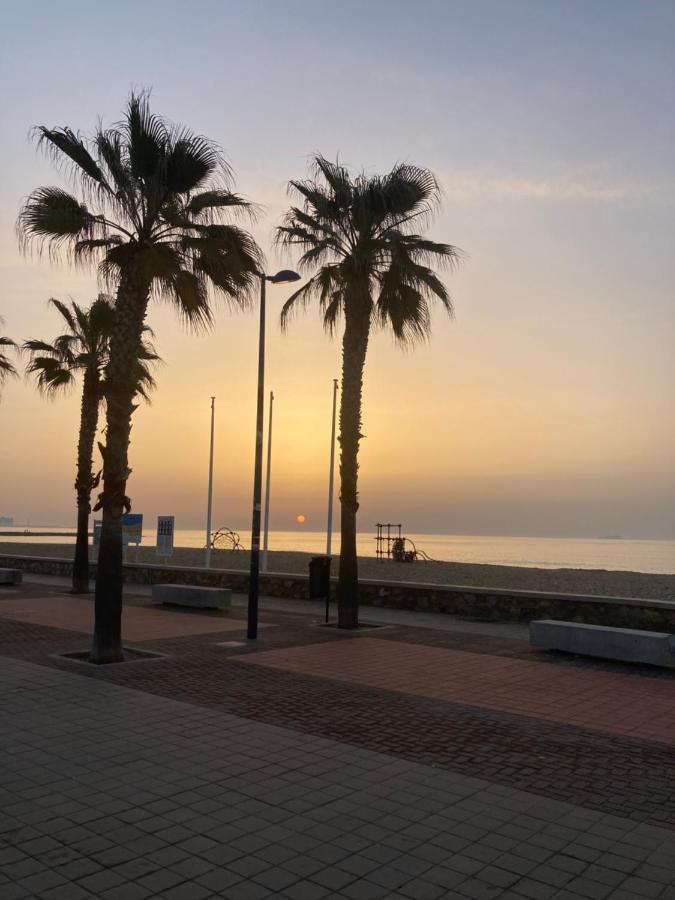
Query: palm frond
pixel 7 368
pixel 54 216
pixel 326 287
pixel 147 137
pixel 66 313
pixel 189 295
pixel 215 199
pixel 51 375
pixel 63 142
pixel 191 160
pixel 145 380
pixel 37 346
pixel 403 307
pixel 92 248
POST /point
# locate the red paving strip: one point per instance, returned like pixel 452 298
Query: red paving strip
pixel 138 624
pixel 618 703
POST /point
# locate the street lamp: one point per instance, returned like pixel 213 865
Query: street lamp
pixel 282 277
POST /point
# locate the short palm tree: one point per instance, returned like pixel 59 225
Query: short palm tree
pixel 359 234
pixel 7 368
pixel 152 213
pixel 83 349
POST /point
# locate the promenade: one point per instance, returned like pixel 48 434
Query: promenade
pixel 426 758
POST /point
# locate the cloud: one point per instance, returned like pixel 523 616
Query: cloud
pixel 467 185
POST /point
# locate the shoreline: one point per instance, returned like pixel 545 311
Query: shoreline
pixel 600 582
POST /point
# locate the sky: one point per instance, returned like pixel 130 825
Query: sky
pixel 545 407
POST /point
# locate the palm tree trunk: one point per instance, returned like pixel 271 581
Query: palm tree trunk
pixel 130 308
pixel 85 452
pixel 354 348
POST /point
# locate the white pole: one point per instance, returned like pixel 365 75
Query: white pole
pixel 267 485
pixel 207 559
pixel 331 475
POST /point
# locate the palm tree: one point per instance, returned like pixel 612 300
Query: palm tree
pixel 359 235
pixel 6 367
pixel 83 348
pixel 152 212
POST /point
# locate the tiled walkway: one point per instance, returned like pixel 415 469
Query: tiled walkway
pixel 114 793
pixel 404 763
pixel 77 614
pixel 608 701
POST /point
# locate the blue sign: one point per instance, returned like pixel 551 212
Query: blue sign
pixel 132 528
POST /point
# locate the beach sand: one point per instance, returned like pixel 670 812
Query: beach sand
pixel 567 581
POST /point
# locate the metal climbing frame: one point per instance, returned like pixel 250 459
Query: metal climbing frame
pixel 391 544
pixel 384 540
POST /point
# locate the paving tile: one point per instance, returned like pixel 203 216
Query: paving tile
pixel 304 890
pixel 127 891
pixel 369 825
pixel 186 891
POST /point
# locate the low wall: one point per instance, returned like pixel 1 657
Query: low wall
pixel 486 604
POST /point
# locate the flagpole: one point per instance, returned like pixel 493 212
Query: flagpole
pixel 207 555
pixel 331 475
pixel 267 485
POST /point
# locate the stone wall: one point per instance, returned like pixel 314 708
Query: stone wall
pixel 486 604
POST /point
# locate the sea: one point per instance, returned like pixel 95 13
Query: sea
pixel 612 553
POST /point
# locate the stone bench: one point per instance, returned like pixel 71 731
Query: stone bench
pixel 654 648
pixel 10 576
pixel 192 595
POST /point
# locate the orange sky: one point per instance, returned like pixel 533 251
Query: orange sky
pixel 546 407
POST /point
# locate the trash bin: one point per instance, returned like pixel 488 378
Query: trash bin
pixel 319 577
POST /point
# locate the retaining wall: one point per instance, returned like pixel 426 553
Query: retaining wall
pixel 487 604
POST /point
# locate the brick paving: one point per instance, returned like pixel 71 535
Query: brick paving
pixel 114 793
pixel 427 708
pixel 628 777
pixel 616 702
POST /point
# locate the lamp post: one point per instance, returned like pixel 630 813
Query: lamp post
pixel 282 277
pixel 209 505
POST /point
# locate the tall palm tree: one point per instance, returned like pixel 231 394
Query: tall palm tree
pixel 83 349
pixel 359 234
pixel 152 211
pixel 7 368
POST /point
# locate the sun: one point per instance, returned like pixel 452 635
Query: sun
pixel 300 519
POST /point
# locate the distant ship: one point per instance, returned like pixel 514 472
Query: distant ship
pixel 6 520
pixel 609 537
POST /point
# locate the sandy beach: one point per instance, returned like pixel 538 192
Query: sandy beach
pixel 571 581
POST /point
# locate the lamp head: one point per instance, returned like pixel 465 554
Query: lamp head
pixel 284 276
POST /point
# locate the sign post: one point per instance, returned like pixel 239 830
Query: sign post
pixel 165 531
pixel 96 546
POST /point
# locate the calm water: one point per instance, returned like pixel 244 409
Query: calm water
pixel 544 553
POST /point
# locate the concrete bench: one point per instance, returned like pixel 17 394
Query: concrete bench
pixel 654 648
pixel 192 595
pixel 10 576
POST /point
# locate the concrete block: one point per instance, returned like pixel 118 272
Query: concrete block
pixel 10 576
pixel 654 648
pixel 192 595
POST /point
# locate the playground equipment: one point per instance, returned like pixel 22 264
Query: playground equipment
pixel 391 544
pixel 226 539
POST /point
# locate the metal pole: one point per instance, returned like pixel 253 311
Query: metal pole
pixel 209 505
pixel 331 474
pixel 252 623
pixel 266 528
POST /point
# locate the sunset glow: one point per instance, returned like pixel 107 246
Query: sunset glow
pixel 545 407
